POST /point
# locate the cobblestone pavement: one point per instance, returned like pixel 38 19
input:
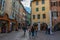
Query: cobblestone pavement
pixel 18 35
pixel 43 36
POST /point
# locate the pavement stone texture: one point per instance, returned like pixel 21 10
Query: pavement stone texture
pixel 18 35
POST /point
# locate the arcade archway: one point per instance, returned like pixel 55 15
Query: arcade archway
pixel 57 27
pixel 43 26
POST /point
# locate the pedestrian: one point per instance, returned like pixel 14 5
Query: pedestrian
pixel 24 29
pixel 51 30
pixel 29 33
pixel 46 29
pixel 35 30
pixel 32 31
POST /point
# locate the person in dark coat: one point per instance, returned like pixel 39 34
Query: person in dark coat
pixel 32 31
pixel 46 30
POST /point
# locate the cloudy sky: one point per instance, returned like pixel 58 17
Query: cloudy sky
pixel 26 4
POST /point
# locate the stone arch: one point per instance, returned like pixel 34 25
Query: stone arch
pixel 6 15
pixel 57 27
pixel 43 26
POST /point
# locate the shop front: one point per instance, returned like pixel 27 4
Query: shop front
pixel 13 25
pixel 4 24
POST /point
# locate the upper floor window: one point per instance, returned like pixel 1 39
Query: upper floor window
pixel 38 16
pixel 44 15
pixel 13 14
pixel 54 14
pixel 43 1
pixel 59 3
pixel 36 2
pixel 0 2
pixel 37 9
pixel 43 8
pixel 3 3
pixel 54 3
pixel 33 16
pixel 13 4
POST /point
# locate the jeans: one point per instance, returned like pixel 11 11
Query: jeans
pixel 32 33
pixel 35 33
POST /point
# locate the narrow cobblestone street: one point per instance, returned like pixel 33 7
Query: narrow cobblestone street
pixel 18 35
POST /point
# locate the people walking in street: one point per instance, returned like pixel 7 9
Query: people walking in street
pixel 46 29
pixel 32 31
pixel 24 29
pixel 35 30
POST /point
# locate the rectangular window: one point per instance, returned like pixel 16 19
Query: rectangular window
pixel 0 1
pixel 13 4
pixel 51 4
pixel 43 8
pixel 3 3
pixel 38 16
pixel 13 14
pixel 33 16
pixel 56 3
pixel 0 4
pixel 37 9
pixel 59 3
pixel 44 16
pixel 43 1
pixel 36 2
pixel 54 14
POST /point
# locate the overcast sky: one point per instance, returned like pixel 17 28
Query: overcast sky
pixel 26 3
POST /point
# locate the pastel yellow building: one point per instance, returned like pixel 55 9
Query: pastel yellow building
pixel 40 12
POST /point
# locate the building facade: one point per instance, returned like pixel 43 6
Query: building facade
pixel 2 5
pixel 10 15
pixel 28 18
pixel 55 11
pixel 40 13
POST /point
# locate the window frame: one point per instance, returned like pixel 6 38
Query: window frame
pixel 38 16
pixel 44 16
pixel 37 3
pixel 33 16
pixel 43 1
pixel 43 8
pixel 37 9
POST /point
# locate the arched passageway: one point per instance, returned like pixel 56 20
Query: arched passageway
pixel 57 27
pixel 43 26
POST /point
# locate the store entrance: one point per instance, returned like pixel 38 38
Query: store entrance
pixel 4 26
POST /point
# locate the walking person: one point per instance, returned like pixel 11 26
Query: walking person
pixel 35 30
pixel 24 29
pixel 32 31
pixel 29 32
pixel 46 30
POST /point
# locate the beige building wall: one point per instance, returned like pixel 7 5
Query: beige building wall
pixel 40 5
pixel 8 7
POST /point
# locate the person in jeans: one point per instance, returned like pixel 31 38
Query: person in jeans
pixel 36 30
pixel 32 31
pixel 24 29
